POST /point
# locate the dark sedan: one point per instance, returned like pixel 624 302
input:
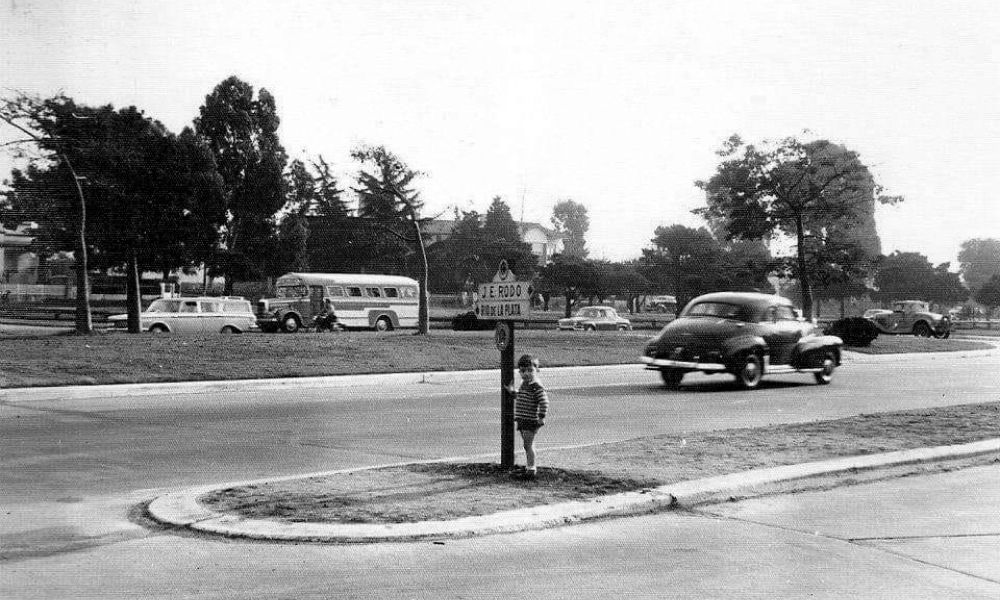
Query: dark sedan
pixel 745 334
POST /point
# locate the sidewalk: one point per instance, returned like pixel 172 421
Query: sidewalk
pixel 181 509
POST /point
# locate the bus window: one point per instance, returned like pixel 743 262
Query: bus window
pixel 334 291
pixel 391 293
pixel 374 292
pixel 354 292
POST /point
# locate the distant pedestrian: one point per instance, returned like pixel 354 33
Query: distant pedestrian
pixel 530 408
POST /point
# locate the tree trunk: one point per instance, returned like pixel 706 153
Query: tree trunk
pixel 804 285
pixel 84 320
pixel 133 294
pixel 423 316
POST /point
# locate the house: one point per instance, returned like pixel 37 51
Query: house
pixel 544 242
pixel 18 264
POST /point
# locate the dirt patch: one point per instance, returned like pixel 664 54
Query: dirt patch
pixel 441 491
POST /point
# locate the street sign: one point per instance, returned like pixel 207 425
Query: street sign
pixel 504 298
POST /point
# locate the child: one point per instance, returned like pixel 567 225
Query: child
pixel 530 407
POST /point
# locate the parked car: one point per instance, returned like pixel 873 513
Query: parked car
pixel 469 321
pixel 593 318
pixel 858 332
pixel 871 313
pixel 206 314
pixel 745 334
pixel 913 317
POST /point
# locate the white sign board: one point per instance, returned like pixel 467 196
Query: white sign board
pixel 504 298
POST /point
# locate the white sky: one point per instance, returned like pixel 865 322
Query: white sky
pixel 619 106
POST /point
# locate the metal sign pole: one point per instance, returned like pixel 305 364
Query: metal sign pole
pixel 505 342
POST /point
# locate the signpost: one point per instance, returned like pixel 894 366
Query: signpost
pixel 505 299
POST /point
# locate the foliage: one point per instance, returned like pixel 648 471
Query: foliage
pixel 570 276
pixel 241 129
pixel 689 262
pixel 570 219
pixel 989 293
pixel 911 276
pixel 153 199
pixel 387 201
pixel 979 260
pixel 818 194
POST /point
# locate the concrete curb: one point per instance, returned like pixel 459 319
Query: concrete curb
pixel 182 509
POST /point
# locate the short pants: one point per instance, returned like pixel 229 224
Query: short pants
pixel 526 425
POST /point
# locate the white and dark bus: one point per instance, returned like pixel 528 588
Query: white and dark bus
pixel 361 301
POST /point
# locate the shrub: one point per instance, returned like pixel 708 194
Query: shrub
pixel 855 331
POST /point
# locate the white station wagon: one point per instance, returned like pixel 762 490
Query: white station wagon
pixel 207 314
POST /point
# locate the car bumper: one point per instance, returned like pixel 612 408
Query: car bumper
pixel 665 363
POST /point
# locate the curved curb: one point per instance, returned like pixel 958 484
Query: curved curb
pixel 182 509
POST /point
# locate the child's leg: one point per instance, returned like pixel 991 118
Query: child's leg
pixel 528 437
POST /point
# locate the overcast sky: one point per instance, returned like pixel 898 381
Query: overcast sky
pixel 619 106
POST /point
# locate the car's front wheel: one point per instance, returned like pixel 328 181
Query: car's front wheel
pixel 750 372
pixel 825 374
pixel 922 329
pixel 672 378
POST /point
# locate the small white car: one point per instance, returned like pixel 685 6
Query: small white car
pixel 592 318
pixel 207 314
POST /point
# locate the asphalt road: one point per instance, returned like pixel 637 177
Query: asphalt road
pixel 72 469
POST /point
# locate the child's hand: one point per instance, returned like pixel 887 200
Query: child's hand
pixel 510 388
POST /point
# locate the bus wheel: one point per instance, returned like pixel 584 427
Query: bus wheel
pixel 290 324
pixel 383 324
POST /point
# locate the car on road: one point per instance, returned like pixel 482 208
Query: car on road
pixel 594 318
pixel 745 334
pixel 204 314
pixel 913 317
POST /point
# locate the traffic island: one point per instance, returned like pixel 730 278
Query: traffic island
pixel 458 499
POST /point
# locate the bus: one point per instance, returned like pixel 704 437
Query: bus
pixel 361 301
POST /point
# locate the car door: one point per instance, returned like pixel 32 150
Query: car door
pixel 603 320
pixel 782 331
pixel 188 318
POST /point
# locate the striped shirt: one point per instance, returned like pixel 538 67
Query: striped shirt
pixel 532 402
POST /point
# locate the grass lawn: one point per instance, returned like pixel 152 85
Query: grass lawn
pixel 117 357
pixel 440 491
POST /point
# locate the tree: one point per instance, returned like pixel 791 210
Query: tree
pixel 387 199
pixel 242 131
pixel 569 275
pixel 35 118
pixel 499 225
pixel 153 199
pixel 570 219
pixel 979 261
pixel 911 276
pixel 809 192
pixel 683 260
pixel 989 293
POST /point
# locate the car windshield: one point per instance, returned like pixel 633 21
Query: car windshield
pixel 716 309
pixel 292 291
pixel 161 306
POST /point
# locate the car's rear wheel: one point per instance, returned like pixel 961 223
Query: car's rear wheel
pixel 750 372
pixel 290 324
pixel 825 375
pixel 230 329
pixel 672 378
pixel 623 328
pixel 590 328
pixel 158 329
pixel 383 324
pixel 922 329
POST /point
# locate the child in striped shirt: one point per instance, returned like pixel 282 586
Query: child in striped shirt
pixel 530 408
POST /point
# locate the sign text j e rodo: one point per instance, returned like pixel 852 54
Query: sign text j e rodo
pixel 504 298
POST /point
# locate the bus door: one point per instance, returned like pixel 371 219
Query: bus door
pixel 315 300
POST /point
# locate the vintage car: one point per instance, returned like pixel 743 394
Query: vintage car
pixel 205 314
pixel 745 334
pixel 593 318
pixel 913 317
